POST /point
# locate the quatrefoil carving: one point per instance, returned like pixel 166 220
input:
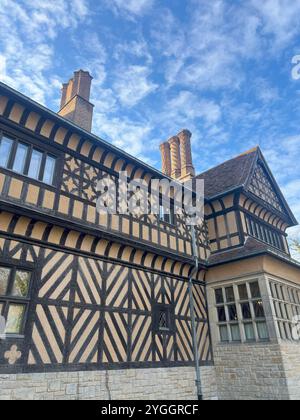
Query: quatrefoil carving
pixel 13 355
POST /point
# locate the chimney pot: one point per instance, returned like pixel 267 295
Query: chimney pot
pixel 82 84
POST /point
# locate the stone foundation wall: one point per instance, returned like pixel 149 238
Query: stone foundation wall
pixel 134 384
pixel 251 372
pixel 291 361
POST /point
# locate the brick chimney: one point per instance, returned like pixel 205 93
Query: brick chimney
pixel 187 167
pixel 166 158
pixel 75 100
pixel 175 157
pixel 177 160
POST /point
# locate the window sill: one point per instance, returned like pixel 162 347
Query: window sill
pixel 19 175
pixel 237 343
pixel 167 224
pixel 13 337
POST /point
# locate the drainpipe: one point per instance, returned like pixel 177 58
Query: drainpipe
pixel 192 310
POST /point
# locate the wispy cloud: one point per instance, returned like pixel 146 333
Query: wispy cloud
pixel 29 47
pixel 133 84
pixel 124 133
pixel 279 19
pixel 131 7
pixel 136 49
pixel 207 52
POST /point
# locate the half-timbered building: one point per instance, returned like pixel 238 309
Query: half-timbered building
pixel 108 306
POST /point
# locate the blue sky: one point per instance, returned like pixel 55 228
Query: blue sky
pixel 221 68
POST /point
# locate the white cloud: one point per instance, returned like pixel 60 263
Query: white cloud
pixel 131 7
pixel 283 158
pixel 209 51
pixel 265 92
pixel 122 132
pixel 27 34
pixel 133 84
pixel 2 67
pixel 137 48
pixel 187 106
pixel 206 52
pixel 284 153
pixel 279 19
pixel 92 57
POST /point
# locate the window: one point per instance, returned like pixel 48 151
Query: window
pixel 232 313
pixel 243 292
pixel 26 160
pixel 20 158
pixel 14 298
pixel 265 233
pixel 242 317
pixel 286 303
pixel 255 291
pixel 49 170
pixel 249 332
pixel 259 309
pixel 246 311
pixel 167 214
pixel 235 332
pixel 229 294
pixel 163 318
pixel 262 330
pixel 219 296
pixel 221 314
pixel 35 164
pixel 5 151
pixel 224 333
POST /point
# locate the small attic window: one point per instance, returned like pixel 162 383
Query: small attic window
pixel 163 318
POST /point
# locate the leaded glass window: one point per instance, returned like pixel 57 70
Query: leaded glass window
pixel 286 303
pixel 14 298
pixel 241 317
pixel 26 160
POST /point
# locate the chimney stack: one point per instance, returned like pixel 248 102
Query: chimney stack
pixel 187 168
pixel 175 157
pixel 75 100
pixel 166 158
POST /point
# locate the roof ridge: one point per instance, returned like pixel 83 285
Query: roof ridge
pixel 250 174
pixel 248 152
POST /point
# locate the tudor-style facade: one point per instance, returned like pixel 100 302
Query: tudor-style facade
pixel 252 284
pixel 82 291
pixel 96 281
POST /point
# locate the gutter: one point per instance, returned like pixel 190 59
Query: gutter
pixel 192 310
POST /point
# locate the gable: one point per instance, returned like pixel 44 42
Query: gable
pixel 260 185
